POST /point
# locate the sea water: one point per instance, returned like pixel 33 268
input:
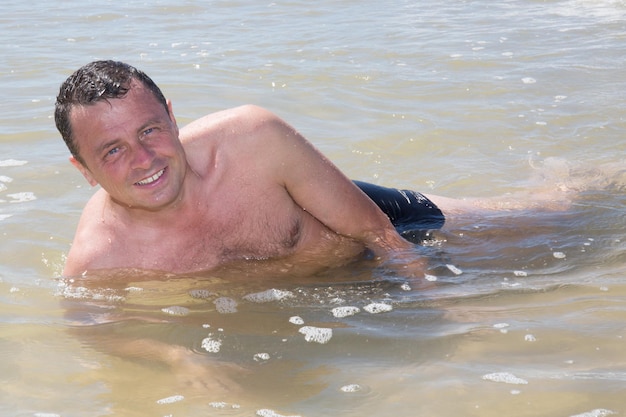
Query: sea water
pixel 519 314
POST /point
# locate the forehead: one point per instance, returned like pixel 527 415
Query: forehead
pixel 115 119
pixel 136 105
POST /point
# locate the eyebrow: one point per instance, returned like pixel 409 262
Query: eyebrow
pixel 144 126
pixel 106 145
pixel 148 123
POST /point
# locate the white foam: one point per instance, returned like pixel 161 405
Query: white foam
pixel 176 310
pixel 68 291
pixel 520 273
pixel 197 293
pixel 598 412
pixel 268 295
pixel 4 178
pixel 376 308
pixel 530 338
pixel 529 80
pixel 170 400
pixel 345 311
pixel 222 404
pixel 270 413
pixel 225 305
pixel 296 320
pixel 603 10
pixel 431 278
pixel 505 377
pixel 261 357
pixel 454 269
pixel 22 197
pixel 12 163
pixel 46 415
pixel 351 388
pixel 211 345
pixel 558 255
pixel 316 334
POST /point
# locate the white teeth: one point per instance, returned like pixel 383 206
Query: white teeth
pixel 151 179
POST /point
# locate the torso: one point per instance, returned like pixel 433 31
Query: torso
pixel 236 230
pixel 238 216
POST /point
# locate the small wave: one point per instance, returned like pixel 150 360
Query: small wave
pixel 603 10
pixel 598 412
pixel 12 163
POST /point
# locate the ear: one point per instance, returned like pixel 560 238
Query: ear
pixel 171 114
pixel 85 171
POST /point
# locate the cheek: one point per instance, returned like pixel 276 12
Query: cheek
pixel 112 177
pixel 171 147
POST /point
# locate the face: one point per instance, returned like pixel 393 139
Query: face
pixel 130 147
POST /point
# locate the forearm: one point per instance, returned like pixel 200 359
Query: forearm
pixel 384 242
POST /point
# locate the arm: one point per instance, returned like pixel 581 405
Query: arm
pixel 321 189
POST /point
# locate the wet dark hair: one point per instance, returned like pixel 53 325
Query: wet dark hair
pixel 92 83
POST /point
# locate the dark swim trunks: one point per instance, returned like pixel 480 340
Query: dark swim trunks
pixel 412 214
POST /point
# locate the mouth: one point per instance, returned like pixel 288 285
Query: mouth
pixel 153 178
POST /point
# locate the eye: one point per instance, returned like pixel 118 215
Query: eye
pixel 112 151
pixel 148 132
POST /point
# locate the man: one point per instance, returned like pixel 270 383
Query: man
pixel 236 185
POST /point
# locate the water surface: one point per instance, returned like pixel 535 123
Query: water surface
pixel 521 315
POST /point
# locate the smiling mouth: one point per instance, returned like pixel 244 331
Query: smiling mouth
pixel 151 179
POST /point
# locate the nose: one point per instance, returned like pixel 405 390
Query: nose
pixel 142 155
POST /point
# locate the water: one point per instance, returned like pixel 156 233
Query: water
pixel 520 316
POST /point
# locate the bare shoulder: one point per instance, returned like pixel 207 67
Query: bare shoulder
pixel 91 241
pixel 232 123
pixel 247 130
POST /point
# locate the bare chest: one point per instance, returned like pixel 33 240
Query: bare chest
pixel 233 228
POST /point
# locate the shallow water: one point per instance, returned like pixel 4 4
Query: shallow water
pixel 520 315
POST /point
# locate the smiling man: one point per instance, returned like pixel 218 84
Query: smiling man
pixel 236 185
